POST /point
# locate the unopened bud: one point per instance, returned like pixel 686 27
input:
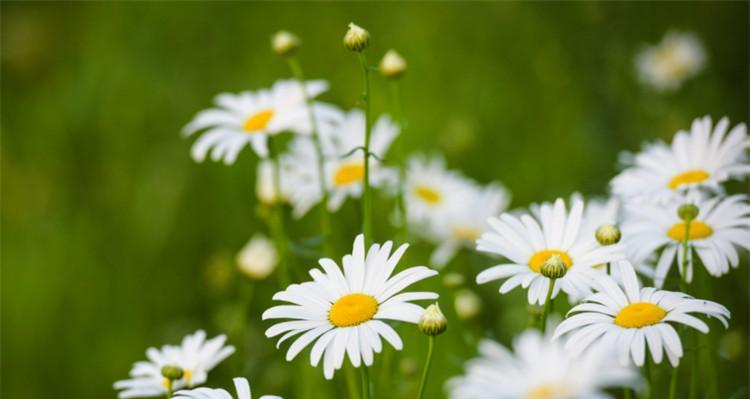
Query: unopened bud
pixel 554 268
pixel 467 304
pixel 608 234
pixel 172 372
pixel 453 280
pixel 433 322
pixel 284 43
pixel 392 65
pixel 356 38
pixel 688 212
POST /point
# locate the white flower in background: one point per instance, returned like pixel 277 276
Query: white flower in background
pixel 195 356
pixel 700 159
pixel 467 304
pixel 344 164
pixel 631 318
pixel 539 369
pixel 258 258
pixel 250 117
pixel 720 229
pixel 240 385
pixel 665 66
pixel 528 243
pixel 431 189
pixel 461 224
pixel 265 188
pixel 343 311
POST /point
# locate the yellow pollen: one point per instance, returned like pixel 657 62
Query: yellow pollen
pixel 536 261
pixel 349 173
pixel 547 391
pixel 188 376
pixel 640 314
pixel 691 176
pixel 698 231
pixel 428 194
pixel 258 121
pixel 465 233
pixel 352 310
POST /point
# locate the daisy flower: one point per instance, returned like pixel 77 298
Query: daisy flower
pixel 344 165
pixel 196 356
pixel 265 187
pixel 258 258
pixel 250 117
pixel 720 229
pixel 703 158
pixel 539 368
pixel 527 243
pixel 458 226
pixel 342 311
pixel 631 318
pixel 240 385
pixel 665 66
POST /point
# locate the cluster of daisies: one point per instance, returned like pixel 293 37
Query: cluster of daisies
pixel 611 257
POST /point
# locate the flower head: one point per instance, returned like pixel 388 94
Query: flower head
pixel 284 43
pixel 240 385
pixel 608 234
pixel 433 321
pixel 356 38
pixel 665 66
pixel 258 258
pixel 392 65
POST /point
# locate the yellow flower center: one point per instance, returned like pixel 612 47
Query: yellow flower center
pixel 465 233
pixel 698 231
pixel 188 376
pixel 674 68
pixel 353 309
pixel 536 261
pixel 258 121
pixel 428 194
pixel 547 391
pixel 349 173
pixel 640 314
pixel 691 176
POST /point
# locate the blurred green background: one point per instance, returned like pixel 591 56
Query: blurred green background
pixel 114 240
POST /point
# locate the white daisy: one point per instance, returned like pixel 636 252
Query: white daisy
pixel 664 66
pixel 240 385
pixel 343 311
pixel 195 356
pixel 265 187
pixel 700 159
pixel 460 224
pixel 633 318
pixel 527 245
pixel 258 258
pixel 539 369
pixel 344 166
pixel 720 229
pixel 250 117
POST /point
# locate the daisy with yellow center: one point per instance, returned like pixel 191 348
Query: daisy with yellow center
pixel 721 228
pixel 250 117
pixel 633 319
pixel 666 65
pixel 539 369
pixel 241 385
pixel 341 312
pixel 527 242
pixel 701 159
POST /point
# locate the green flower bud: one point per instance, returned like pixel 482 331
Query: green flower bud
pixel 608 234
pixel 554 267
pixel 356 38
pixel 392 65
pixel 688 212
pixel 284 43
pixel 433 322
pixel 172 372
pixel 453 280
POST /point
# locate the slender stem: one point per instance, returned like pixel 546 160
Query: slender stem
pixel 400 118
pixel 696 365
pixel 365 374
pixel 673 383
pixel 277 219
pixel 649 379
pixel 366 195
pixel 545 311
pixel 685 253
pixel 427 363
pixel 351 381
pixel 325 215
pixel 626 393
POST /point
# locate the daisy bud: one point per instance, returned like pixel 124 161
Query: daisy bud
pixel 467 304
pixel 433 322
pixel 356 38
pixel 392 65
pixel 172 372
pixel 608 234
pixel 688 212
pixel 453 280
pixel 284 43
pixel 554 268
pixel 258 258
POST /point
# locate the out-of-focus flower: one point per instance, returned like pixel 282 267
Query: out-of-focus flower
pixel 240 385
pixel 665 66
pixel 539 368
pixel 196 356
pixel 284 43
pixel 467 304
pixel 528 243
pixel 718 231
pixel 342 312
pixel 453 280
pixel 258 258
pixel 430 189
pixel 632 319
pixel 392 65
pixel 265 188
pixel 701 159
pixel 250 117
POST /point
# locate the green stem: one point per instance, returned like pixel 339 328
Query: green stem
pixel 365 373
pixel 169 388
pixel 545 311
pixel 685 253
pixel 673 383
pixel 325 215
pixel 626 393
pixel 277 219
pixel 427 363
pixel 351 382
pixel 400 203
pixel 609 269
pixel 649 379
pixel 366 195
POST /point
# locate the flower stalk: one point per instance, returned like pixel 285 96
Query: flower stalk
pixel 366 192
pixel 277 218
pixel 427 363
